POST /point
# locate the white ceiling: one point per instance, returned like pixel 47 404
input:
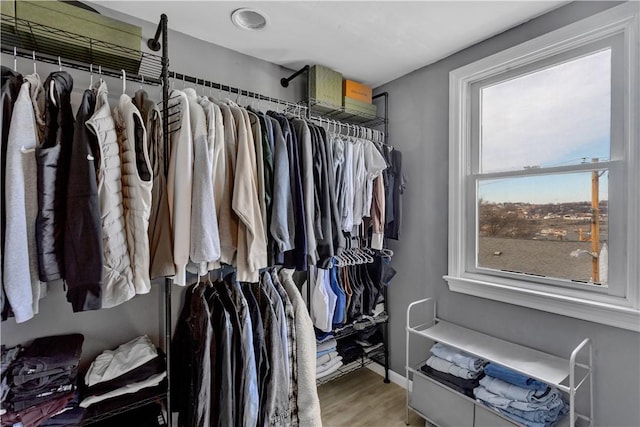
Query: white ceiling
pixel 369 41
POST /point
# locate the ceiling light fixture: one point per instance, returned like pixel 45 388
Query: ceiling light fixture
pixel 249 19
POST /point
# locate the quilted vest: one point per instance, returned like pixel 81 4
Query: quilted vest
pixel 117 285
pixel 137 180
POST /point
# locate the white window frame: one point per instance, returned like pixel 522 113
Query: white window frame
pixel 620 308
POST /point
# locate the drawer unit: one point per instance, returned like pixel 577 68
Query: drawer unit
pixel 488 418
pixel 443 407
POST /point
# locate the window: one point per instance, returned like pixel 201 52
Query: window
pixel 544 172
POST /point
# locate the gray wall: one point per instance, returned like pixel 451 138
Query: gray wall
pixel 108 328
pixel 419 108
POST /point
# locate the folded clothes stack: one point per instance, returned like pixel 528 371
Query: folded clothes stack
pixel 523 399
pixel 129 373
pixel 328 360
pixel 454 368
pixel 42 380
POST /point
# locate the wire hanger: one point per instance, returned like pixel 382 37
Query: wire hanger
pixel 15 59
pixel 124 81
pixel 90 76
pixel 33 55
pixel 59 64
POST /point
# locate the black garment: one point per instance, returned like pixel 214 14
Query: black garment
pixel 83 225
pixel 53 165
pixel 259 343
pixel 297 257
pixel 324 227
pixel 182 365
pixel 47 357
pixel 25 400
pixel 339 241
pixel 393 193
pixel 461 385
pixel 11 83
pixel 349 350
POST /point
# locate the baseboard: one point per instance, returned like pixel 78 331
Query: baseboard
pixel 394 377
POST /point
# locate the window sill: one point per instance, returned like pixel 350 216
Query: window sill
pixel 593 311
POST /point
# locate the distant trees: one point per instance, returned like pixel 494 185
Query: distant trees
pixel 499 221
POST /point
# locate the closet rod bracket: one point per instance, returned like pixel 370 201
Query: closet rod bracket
pixel 285 80
pixel 154 43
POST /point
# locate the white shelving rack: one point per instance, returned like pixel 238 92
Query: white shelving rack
pixel 567 374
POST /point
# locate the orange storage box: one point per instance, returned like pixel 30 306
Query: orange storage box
pixel 358 91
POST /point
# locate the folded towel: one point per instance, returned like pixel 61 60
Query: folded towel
pixel 457 357
pixel 445 366
pixel 514 392
pixel 506 374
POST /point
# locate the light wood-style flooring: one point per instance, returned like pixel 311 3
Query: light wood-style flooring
pixel 361 399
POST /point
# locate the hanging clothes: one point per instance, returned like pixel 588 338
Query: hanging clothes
pixel 160 239
pixel 20 254
pixel 83 230
pixel 52 157
pixel 180 181
pixel 137 181
pixel 205 240
pixel 117 286
pixel 227 218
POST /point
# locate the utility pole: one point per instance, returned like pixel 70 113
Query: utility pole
pixel 595 225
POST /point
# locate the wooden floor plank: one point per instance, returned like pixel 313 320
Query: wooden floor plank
pixel 362 399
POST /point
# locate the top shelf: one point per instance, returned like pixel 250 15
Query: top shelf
pixel 336 112
pixel 542 366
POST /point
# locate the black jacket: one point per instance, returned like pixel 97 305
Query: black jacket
pixel 52 156
pixel 83 228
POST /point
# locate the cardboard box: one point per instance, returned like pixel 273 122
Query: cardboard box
pixel 358 91
pixel 358 107
pixel 92 28
pixel 325 86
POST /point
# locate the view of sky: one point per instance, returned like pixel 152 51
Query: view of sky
pixel 564 188
pixel 555 117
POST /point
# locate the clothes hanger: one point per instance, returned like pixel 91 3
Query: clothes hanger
pixel 124 81
pixel 33 55
pixel 15 59
pixel 59 64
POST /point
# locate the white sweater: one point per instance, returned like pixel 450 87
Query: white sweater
pixel 205 241
pixel 179 182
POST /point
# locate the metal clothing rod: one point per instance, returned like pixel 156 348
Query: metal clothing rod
pixel 231 89
pixel 76 65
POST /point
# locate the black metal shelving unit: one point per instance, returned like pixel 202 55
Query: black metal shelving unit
pixel 363 124
pixel 41 43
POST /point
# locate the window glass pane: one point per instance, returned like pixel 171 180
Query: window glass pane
pixel 553 117
pixel 542 225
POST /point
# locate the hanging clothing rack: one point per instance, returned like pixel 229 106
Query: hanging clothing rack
pixel 19 40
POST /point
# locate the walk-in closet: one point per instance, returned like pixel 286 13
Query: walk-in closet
pixel 309 213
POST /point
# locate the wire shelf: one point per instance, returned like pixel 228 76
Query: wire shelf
pixel 47 44
pixel 323 110
pixel 94 418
